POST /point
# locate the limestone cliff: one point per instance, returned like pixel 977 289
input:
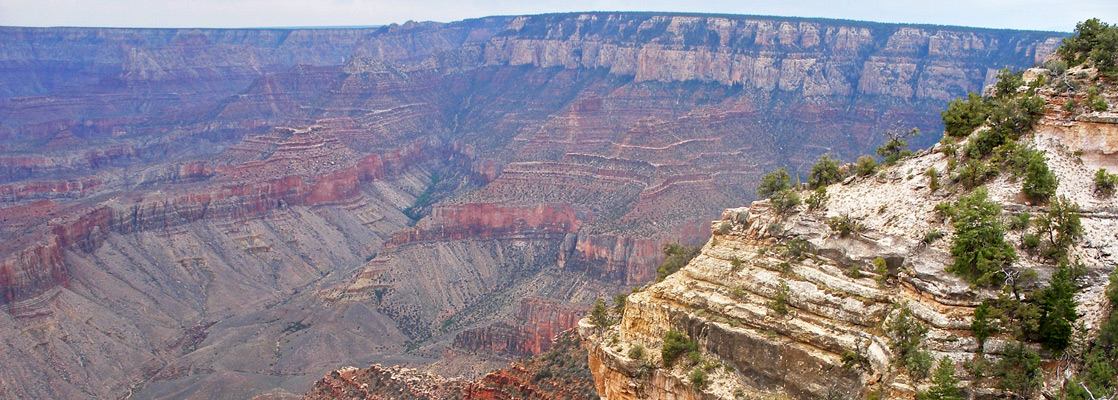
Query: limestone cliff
pixel 781 305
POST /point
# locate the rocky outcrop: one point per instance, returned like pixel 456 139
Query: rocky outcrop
pixel 792 308
pixel 561 373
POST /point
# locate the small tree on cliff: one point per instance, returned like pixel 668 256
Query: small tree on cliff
pixel 773 182
pixel 599 315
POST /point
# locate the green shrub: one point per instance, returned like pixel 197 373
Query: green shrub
pixel 852 359
pixel 979 249
pixel 1095 101
pixel 677 257
pixel 933 178
pixel 619 302
pixel 780 300
pixel 785 200
pixel 963 116
pixel 1105 183
pixel 796 249
pixel 844 225
pixel 675 344
pixel 894 147
pixel 983 324
pixel 1057 304
pixel 825 172
pixel 1019 370
pixel 945 210
pixel 818 198
pixel 906 335
pixel 931 236
pixel 1071 106
pixel 1040 183
pixel 1062 226
pixel 774 182
pixel 1008 83
pixel 1031 241
pixel 699 378
pixel 945 386
pixel 881 268
pixel 865 166
pixel 636 352
pixel 854 271
pixel 974 173
pixel 599 316
pixel 724 228
pixel 1020 221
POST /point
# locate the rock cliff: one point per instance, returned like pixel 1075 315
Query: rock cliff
pixel 559 373
pixel 789 305
pixel 187 212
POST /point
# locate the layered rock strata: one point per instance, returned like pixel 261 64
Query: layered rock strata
pixel 831 338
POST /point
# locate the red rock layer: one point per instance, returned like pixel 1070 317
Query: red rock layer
pixel 33 262
pixel 534 327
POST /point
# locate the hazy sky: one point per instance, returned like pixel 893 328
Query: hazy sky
pixel 1015 14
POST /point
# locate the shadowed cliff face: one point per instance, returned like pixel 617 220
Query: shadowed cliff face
pixel 248 209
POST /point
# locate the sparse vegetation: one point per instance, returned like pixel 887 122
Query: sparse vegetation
pixel 865 166
pixel 931 236
pixel 796 249
pixel 818 198
pixel 933 178
pixel 963 116
pixel 844 225
pixel 1019 370
pixel 1105 183
pixel 1100 368
pixel 699 378
pixel 852 359
pixel 785 200
pixel 906 335
pixel 599 315
pixel 774 182
pixel 1061 226
pixel 619 302
pixel 825 172
pixel 896 146
pixel 779 302
pixel 1094 42
pixel 945 386
pixel 881 268
pixel 675 344
pixel 677 257
pixel 636 352
pixel 1040 183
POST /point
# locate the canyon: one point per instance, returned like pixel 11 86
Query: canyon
pixel 196 211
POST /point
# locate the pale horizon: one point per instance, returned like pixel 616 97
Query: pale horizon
pixel 993 14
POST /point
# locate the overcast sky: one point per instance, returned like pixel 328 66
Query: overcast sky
pixel 1015 14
